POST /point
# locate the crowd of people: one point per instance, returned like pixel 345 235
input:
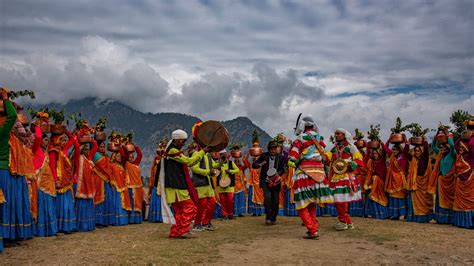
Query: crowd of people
pixel 65 182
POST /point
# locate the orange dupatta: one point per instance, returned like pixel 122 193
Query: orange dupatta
pixel 21 158
pixel 376 184
pixel 395 181
pixel 254 180
pixel 135 183
pixel 422 201
pixel 464 196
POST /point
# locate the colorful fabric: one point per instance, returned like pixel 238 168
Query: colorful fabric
pixel 205 210
pixel 397 207
pixel 21 158
pixel 290 208
pixel 5 130
pixel 395 182
pixel 47 223
pixel 184 213
pixel 136 200
pixel 16 215
pixel 227 203
pixel 105 211
pixel 240 204
pixel 255 209
pixel 376 210
pixel 85 215
pixel 154 210
pixel 344 186
pixel 121 214
pixel 342 215
pixel 412 215
pixel 308 216
pixel 65 211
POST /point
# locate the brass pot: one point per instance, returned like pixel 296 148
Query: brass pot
pixel 255 150
pixel 416 141
pixel 45 128
pixel 58 129
pixel 113 147
pixel 373 144
pixel 130 148
pixel 100 136
pixel 396 138
pixel 85 139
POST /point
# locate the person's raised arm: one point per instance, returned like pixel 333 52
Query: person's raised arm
pixel 139 156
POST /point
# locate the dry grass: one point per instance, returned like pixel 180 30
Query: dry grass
pixel 248 241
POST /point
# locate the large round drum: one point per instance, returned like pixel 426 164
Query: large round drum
pixel 212 134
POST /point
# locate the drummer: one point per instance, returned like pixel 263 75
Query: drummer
pixel 225 184
pixel 272 167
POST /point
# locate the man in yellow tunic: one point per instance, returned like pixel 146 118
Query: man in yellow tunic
pixel 177 185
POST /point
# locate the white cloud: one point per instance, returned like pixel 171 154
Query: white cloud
pixel 222 59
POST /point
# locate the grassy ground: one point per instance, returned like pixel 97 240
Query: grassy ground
pixel 247 241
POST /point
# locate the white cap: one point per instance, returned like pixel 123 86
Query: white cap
pixel 223 151
pixel 179 134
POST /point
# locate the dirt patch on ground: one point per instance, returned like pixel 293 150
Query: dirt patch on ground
pixel 247 241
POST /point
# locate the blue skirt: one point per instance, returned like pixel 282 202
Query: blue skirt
pixel 397 207
pixel 217 211
pixel 289 207
pixel 376 210
pixel 85 214
pixel 328 210
pixel 65 212
pixel 47 224
pixel 154 211
pixel 134 217
pixel 121 215
pixel 254 209
pixel 411 217
pixel 357 208
pixel 442 215
pixel 464 219
pixel 240 205
pixel 16 216
pixel 105 211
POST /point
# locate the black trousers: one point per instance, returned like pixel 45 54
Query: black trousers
pixel 271 201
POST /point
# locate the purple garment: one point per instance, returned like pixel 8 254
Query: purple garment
pixel 469 155
pixel 380 167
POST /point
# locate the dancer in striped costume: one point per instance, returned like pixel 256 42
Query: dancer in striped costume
pixel 310 182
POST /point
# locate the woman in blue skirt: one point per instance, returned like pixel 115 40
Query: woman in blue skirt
pixel 47 221
pixel 62 171
pixel 84 191
pixel 105 204
pixel 16 216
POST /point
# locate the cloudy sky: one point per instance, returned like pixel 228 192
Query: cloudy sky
pixel 348 63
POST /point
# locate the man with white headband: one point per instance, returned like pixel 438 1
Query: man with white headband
pixel 344 158
pixel 175 181
pixel 307 157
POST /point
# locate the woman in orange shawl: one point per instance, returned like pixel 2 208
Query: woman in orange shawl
pixel 420 202
pixel 47 221
pixel 135 186
pixel 396 179
pixel 62 171
pixel 443 180
pixel 120 189
pixel 85 189
pixel 375 184
pixel 104 198
pixel 464 196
